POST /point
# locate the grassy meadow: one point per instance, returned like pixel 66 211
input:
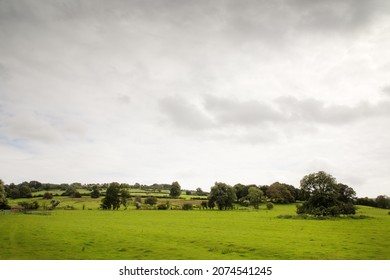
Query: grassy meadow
pixel 198 234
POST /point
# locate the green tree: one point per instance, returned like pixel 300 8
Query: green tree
pixel 175 190
pixel 95 193
pixel 152 200
pixel 3 197
pixel 383 201
pixel 325 197
pixel 280 193
pixel 124 197
pixel 255 196
pixel 112 200
pixel 223 195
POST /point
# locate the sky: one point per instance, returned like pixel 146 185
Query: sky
pixel 249 92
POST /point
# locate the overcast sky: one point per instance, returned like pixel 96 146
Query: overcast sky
pixel 248 92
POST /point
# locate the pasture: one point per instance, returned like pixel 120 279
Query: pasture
pixel 197 234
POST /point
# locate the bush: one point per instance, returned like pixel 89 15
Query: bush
pixel 29 205
pixel 162 207
pixel 187 206
pixel 47 195
pixel 152 200
pixel 269 205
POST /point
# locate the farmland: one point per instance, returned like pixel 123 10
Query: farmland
pixel 198 234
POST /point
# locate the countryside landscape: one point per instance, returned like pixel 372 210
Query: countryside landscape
pixel 321 220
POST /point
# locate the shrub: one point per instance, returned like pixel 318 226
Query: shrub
pixel 29 205
pixel 47 195
pixel 269 205
pixel 162 207
pixel 187 206
pixel 152 200
pixel 203 204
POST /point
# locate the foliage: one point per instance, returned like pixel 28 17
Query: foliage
pixel 112 199
pixel 281 193
pixel 203 204
pixel 255 196
pixel 223 195
pixel 270 205
pixel 152 200
pixel 33 205
pixel 95 193
pixel 325 196
pixel 125 197
pixel 175 190
pixel 163 206
pixel 3 197
pixel 383 201
pixel 47 195
pixel 199 192
pixel 187 206
pixel 241 192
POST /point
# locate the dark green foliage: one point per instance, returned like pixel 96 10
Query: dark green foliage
pixel 47 195
pixel 269 205
pixel 152 200
pixel 241 192
pixel 111 200
pixel 76 194
pixel 383 201
pixel 255 196
pixel 211 204
pixel 366 201
pixel 33 205
pixel 325 197
pixel 188 192
pixel 187 206
pixel 281 193
pixel 175 190
pixel 203 204
pixel 54 204
pixel 95 193
pixel 164 206
pixel 3 197
pixel 223 195
pixel 125 197
pixel 200 192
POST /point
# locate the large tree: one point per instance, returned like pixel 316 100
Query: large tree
pixel 223 195
pixel 325 197
pixel 3 198
pixel 281 193
pixel 255 196
pixel 112 199
pixel 175 190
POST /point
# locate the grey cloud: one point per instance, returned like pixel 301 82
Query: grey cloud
pixel 251 112
pixel 315 111
pixel 386 90
pixel 184 114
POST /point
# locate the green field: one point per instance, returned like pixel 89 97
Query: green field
pixel 198 234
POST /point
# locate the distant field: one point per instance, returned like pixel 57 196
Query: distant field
pixel 197 234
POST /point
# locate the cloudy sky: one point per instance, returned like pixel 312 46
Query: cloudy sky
pixel 195 91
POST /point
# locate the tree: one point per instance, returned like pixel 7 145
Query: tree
pixel 241 191
pixel 111 200
pixel 152 200
pixel 255 196
pixel 47 195
pixel 199 191
pixel 280 193
pixel 325 197
pixel 175 190
pixel 124 197
pixel 3 197
pixel 223 195
pixel 95 193
pixel 383 201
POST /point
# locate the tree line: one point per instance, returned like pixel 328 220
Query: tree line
pixel 319 193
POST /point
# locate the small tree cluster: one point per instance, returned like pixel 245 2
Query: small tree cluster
pixel 222 195
pixel 325 197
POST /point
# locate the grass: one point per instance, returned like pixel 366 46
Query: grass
pixel 197 234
